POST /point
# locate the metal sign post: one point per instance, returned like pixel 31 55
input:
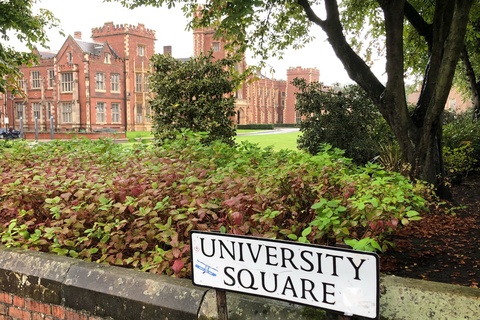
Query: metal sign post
pixel 51 128
pixel 222 304
pixel 36 129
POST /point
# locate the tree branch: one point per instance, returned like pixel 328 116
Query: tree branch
pixel 355 66
pixel 423 28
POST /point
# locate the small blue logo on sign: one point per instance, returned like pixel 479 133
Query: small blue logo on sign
pixel 206 269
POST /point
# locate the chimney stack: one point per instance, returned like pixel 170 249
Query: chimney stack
pixel 167 51
pixel 77 35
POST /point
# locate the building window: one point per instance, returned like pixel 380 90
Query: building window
pixel 20 109
pixel 49 110
pixel 141 50
pixel 101 112
pixel 70 57
pixel 239 94
pixel 67 112
pixel 145 82
pixel 107 58
pixel 148 114
pixel 100 81
pixel 35 76
pixel 21 84
pixel 216 46
pixel 139 114
pixel 36 110
pixel 67 82
pixel 298 117
pixel 51 78
pixel 115 82
pixel 115 112
pixel 138 82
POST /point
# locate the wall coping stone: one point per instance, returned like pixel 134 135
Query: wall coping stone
pixel 121 293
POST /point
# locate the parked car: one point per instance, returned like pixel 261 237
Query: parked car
pixel 9 134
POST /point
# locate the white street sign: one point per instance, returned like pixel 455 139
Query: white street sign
pixel 332 278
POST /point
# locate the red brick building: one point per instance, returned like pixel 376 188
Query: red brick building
pixel 87 85
pixel 310 75
pixel 263 100
pixel 96 85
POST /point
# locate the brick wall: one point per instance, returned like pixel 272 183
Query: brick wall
pixel 76 135
pixel 13 307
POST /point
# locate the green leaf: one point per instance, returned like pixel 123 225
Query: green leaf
pixel 306 231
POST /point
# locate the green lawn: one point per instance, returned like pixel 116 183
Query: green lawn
pixel 278 141
pixel 138 134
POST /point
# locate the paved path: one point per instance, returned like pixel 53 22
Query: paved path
pixel 274 131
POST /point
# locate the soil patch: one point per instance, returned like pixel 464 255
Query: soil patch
pixel 445 245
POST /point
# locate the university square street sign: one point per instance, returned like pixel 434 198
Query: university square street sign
pixel 332 278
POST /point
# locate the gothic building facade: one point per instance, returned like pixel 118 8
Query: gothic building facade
pixel 262 100
pixel 99 85
pixel 87 85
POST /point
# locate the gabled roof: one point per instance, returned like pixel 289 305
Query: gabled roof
pixel 47 54
pixel 90 47
pixel 95 48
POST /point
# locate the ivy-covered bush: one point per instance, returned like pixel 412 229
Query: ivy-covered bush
pixel 134 207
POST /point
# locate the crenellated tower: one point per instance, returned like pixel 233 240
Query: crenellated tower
pixel 136 45
pixel 310 75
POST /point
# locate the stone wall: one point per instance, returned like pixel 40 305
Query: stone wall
pixel 36 285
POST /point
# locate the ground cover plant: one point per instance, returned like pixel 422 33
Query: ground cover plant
pixel 135 206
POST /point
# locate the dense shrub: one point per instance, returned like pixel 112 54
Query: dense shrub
pixel 461 138
pixel 134 207
pixel 346 119
pixel 194 95
pixel 254 126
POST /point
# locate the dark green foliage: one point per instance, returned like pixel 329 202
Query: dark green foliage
pixel 461 137
pixel 19 20
pixel 459 162
pixel 194 95
pixel 346 119
pixel 256 126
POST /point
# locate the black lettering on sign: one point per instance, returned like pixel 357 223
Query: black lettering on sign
pixel 271 255
pixel 357 268
pixel 307 260
pixel 223 247
pixel 334 263
pixel 203 248
pixel 330 293
pixel 311 286
pixel 288 255
pixel 249 283
pixel 254 257
pixel 289 286
pixel 232 283
pixel 275 282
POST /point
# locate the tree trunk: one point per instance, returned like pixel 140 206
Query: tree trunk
pixel 419 135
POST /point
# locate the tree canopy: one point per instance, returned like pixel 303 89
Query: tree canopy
pixel 17 18
pixel 268 27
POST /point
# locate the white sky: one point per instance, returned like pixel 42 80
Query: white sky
pixel 170 25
